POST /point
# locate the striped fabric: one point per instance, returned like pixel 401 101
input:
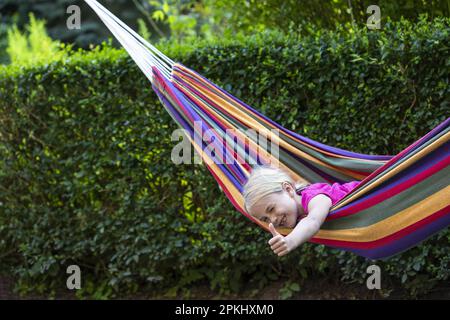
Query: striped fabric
pixel 401 200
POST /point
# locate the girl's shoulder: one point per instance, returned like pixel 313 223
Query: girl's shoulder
pixel 309 191
pixel 335 191
pixel 311 187
pixel 323 186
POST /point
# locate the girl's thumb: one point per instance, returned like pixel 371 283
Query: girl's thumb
pixel 273 230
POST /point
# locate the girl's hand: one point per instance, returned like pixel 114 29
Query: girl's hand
pixel 280 244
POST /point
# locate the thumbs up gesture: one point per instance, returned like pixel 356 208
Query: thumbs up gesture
pixel 280 244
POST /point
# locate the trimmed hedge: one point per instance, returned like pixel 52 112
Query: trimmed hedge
pixel 86 176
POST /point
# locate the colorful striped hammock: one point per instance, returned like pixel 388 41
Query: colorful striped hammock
pixel 401 201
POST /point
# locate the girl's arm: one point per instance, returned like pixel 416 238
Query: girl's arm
pixel 318 209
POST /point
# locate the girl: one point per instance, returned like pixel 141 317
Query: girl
pixel 271 195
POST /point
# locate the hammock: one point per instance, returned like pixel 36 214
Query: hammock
pixel 401 200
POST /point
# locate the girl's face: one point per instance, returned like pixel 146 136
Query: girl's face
pixel 280 208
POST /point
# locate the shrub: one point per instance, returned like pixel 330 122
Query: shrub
pixel 33 46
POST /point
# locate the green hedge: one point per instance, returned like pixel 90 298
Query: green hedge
pixel 86 176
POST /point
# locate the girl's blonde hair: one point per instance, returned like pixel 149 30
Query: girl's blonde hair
pixel 265 180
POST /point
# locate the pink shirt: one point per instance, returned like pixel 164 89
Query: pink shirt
pixel 336 192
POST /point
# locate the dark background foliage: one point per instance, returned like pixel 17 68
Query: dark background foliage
pixel 230 16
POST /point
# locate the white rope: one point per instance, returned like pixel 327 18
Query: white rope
pixel 136 35
pixel 140 54
pixel 143 53
pixel 133 33
pixel 143 57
